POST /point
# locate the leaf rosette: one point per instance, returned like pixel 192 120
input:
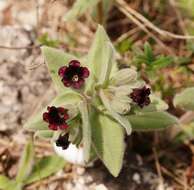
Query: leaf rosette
pixel 101 108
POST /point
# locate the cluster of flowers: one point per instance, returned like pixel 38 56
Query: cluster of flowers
pixel 74 76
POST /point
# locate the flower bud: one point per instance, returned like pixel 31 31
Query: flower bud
pixel 124 77
pixel 119 96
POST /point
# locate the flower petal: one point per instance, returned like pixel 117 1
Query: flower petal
pixel 66 83
pixel 78 84
pixel 53 127
pixel 61 71
pixel 46 117
pixel 64 126
pixel 140 96
pixel 61 110
pixel 86 72
pixel 66 116
pixel 74 63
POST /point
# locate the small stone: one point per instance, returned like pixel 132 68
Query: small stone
pixel 137 178
pixel 80 170
pixel 101 187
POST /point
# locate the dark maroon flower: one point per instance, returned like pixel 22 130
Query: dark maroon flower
pixel 56 117
pixel 73 75
pixel 141 96
pixel 63 141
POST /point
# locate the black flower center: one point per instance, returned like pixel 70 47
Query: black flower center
pixel 55 116
pixel 73 73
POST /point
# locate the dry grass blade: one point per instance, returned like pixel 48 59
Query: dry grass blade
pixel 48 181
pixel 158 167
pixel 127 35
pixel 142 26
pixel 19 48
pixel 146 22
pixel 175 178
pixel 179 17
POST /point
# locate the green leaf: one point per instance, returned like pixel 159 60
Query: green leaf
pixel 108 61
pixel 56 59
pixel 100 60
pixel 45 167
pixel 108 141
pixel 185 99
pixel 44 134
pixel 7 184
pixel 124 45
pixel 148 121
pixel 79 8
pixel 119 118
pixel 45 40
pixel 75 132
pixel 148 53
pixel 152 62
pixel 36 122
pixel 161 62
pixel 86 128
pixel 26 162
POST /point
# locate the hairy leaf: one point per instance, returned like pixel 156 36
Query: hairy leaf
pixel 7 184
pixel 65 100
pixel 56 59
pixel 26 162
pixel 100 60
pixel 45 167
pixel 148 121
pixel 108 60
pixel 44 134
pixel 86 128
pixel 119 118
pixel 108 141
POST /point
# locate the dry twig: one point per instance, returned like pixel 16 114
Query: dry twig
pixel 158 167
pixel 19 48
pixel 142 26
pixel 176 179
pixel 149 24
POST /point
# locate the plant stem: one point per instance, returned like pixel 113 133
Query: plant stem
pixel 100 13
